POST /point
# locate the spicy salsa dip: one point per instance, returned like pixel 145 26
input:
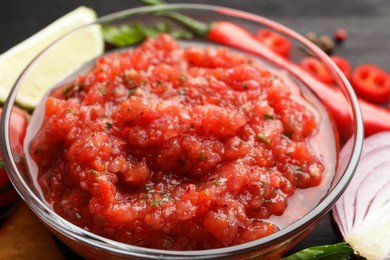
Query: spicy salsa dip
pixel 171 147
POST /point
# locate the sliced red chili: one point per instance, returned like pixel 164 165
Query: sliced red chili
pixel 276 42
pixel 343 64
pixel 371 83
pixel 317 69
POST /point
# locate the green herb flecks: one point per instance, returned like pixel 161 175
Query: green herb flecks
pixel 165 198
pixel 71 111
pixel 182 162
pixel 67 90
pixel 133 33
pixel 263 139
pixel 143 82
pixel 339 251
pixel 218 181
pixel 71 89
pixel 288 134
pixel 95 172
pixel 149 188
pixel 78 216
pixel 296 169
pixel 109 125
pixel 149 191
pixel 103 91
pixel 202 156
pixel 268 117
pixel 132 90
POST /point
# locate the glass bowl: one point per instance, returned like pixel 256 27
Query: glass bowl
pixel 349 143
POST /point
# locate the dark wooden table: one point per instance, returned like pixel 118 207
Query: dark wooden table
pixel 367 23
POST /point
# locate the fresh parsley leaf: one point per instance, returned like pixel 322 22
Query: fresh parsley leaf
pixel 109 125
pixel 122 35
pixel 263 139
pixel 95 172
pixel 268 117
pixel 133 33
pixel 340 251
pixel 182 34
pixel 162 200
pixel 202 156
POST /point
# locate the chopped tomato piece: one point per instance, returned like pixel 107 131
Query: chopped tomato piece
pixel 276 42
pixel 372 83
pixel 256 230
pixel 343 64
pixel 317 69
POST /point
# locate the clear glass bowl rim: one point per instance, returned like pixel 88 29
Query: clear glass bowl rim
pixel 78 234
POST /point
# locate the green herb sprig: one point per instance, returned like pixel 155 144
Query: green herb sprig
pixel 133 33
pixel 339 251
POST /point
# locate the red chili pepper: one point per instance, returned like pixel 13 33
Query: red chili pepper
pixel 317 69
pixel 371 83
pixel 376 118
pixel 276 42
pixel 343 64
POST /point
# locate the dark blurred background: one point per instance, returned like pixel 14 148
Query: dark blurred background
pixel 366 21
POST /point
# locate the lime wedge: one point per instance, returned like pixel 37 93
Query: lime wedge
pixel 58 61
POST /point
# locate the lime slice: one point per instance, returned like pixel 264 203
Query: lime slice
pixel 59 60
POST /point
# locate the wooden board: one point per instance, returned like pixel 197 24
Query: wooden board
pixel 23 236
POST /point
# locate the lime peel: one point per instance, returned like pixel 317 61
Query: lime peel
pixel 60 60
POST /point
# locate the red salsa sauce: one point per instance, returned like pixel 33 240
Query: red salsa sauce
pixel 172 147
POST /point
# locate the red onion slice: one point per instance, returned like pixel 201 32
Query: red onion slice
pixel 380 201
pixel 369 188
pixel 376 151
pixel 340 222
pixel 363 212
pixel 348 199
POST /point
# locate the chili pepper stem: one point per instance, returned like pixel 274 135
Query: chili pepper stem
pixel 199 28
pixel 153 2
